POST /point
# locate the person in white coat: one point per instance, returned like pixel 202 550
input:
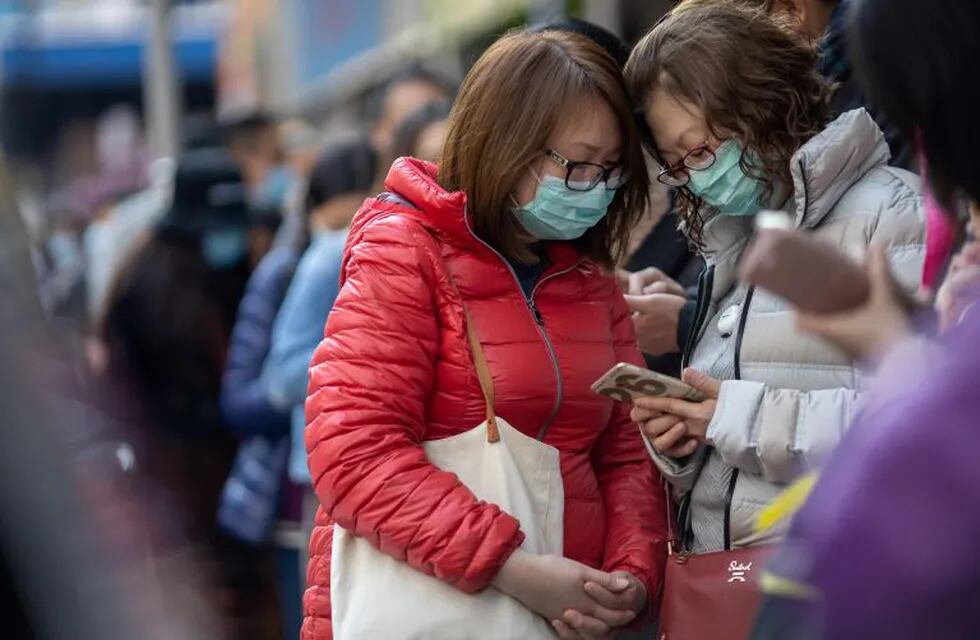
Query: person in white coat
pixel 739 120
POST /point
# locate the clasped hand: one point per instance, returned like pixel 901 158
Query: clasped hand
pixel 580 602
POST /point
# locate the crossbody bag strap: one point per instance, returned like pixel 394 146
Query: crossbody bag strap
pixel 479 357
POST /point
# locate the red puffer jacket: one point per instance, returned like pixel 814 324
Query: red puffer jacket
pixel 395 370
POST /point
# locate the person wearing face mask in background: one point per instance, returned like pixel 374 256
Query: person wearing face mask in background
pixel 741 121
pixel 166 331
pixel 531 202
pixel 337 186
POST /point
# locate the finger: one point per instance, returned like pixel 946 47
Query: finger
pixel 638 281
pixel 674 406
pixel 614 600
pixel 637 303
pixel 819 325
pixel 702 382
pixel 879 269
pixel 614 617
pixel 670 439
pixel 668 287
pixel 658 426
pixel 587 626
pixel 684 449
pixel 623 280
pixel 564 631
pixel 639 414
pixel 616 583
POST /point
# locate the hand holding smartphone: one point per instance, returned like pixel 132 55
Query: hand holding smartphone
pixel 626 382
pixel 813 276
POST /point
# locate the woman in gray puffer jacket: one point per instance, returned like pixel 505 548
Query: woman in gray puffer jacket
pixel 739 120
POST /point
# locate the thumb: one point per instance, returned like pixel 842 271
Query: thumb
pixel 878 261
pixel 702 382
pixel 610 581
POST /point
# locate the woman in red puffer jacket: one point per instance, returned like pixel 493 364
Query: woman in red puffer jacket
pixel 541 179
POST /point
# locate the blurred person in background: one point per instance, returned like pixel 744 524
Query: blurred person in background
pixel 885 546
pixel 166 332
pixel 337 186
pixel 422 134
pixel 253 142
pixel 76 508
pixel 111 237
pixel 63 280
pixel 390 105
pixel 254 506
pixel 533 201
pixel 740 121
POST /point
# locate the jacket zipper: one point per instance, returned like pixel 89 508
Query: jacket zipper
pixel 538 323
pixel 705 287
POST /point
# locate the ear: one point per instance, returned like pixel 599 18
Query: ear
pixel 795 10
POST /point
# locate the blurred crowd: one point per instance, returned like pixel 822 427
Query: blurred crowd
pixel 186 427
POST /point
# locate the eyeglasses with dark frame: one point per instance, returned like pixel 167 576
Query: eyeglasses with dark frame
pixel 697 159
pixel 586 176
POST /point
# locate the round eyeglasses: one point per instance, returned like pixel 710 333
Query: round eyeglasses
pixel 586 176
pixel 697 159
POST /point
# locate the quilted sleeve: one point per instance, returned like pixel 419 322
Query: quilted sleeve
pixel 244 402
pixel 636 516
pixel 369 382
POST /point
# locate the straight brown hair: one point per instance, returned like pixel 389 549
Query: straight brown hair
pixel 509 106
pixel 750 76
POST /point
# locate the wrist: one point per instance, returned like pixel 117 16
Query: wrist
pixel 512 572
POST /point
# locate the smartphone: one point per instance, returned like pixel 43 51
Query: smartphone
pixel 627 382
pixel 812 275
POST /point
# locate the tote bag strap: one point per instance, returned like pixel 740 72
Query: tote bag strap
pixel 482 372
pixel 479 357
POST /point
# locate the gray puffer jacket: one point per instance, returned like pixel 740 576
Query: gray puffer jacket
pixel 787 397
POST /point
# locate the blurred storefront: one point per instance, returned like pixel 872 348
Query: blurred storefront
pixel 65 63
pixel 319 58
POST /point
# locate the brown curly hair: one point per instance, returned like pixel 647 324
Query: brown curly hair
pixel 753 80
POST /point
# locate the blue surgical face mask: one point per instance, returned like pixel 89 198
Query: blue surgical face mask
pixel 559 213
pixel 224 249
pixel 275 187
pixel 725 186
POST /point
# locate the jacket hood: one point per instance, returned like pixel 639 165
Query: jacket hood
pixel 832 162
pixel 823 170
pixel 441 212
pixel 436 209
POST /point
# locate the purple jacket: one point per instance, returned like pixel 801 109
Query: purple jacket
pixel 890 535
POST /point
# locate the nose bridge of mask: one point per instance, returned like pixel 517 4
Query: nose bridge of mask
pixel 559 213
pixel 574 205
pixel 725 185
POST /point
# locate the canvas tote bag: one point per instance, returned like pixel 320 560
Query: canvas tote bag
pixel 376 596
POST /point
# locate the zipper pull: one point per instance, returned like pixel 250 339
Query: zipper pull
pixel 537 314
